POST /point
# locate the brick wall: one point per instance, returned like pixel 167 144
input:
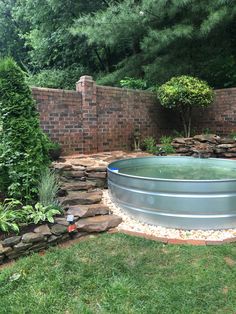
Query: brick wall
pixel 220 117
pixel 61 116
pixel 100 118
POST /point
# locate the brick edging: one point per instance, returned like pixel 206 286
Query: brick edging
pixel 165 240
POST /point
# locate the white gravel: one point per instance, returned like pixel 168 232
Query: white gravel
pixel 131 224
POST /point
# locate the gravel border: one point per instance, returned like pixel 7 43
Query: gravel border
pixel 133 226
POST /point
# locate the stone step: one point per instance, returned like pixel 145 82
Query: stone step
pixel 85 162
pixel 73 174
pixel 78 186
pixel 83 211
pixel 61 166
pixel 98 223
pixel 82 198
pixel 92 174
pixel 96 169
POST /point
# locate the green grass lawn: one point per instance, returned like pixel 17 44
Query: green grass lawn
pixel 122 274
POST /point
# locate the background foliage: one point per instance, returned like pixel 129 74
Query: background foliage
pixel 152 40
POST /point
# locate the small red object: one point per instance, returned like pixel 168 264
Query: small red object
pixel 71 228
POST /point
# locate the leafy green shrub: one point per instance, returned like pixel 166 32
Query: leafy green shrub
pixel 149 144
pixel 232 135
pixel 206 131
pixel 177 133
pixel 10 215
pixel 166 144
pixel 24 146
pixel 130 82
pixel 57 78
pixel 48 188
pixel 54 150
pixel 39 213
pixel 183 93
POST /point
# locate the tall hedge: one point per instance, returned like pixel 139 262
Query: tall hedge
pixel 23 144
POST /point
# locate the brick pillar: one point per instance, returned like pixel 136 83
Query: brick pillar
pixel 87 87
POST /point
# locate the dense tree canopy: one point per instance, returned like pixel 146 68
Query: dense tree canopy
pixel 110 39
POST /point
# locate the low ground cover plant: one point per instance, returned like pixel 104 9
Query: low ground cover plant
pixel 149 144
pixel 166 145
pixel 14 214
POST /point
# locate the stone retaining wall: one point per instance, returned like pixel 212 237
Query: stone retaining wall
pixel 88 219
pixel 81 183
pixel 209 145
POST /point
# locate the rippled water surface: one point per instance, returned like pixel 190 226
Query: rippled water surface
pixel 186 172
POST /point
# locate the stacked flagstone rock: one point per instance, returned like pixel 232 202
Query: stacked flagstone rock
pixel 205 145
pixel 81 196
pixel 88 219
pixel 82 179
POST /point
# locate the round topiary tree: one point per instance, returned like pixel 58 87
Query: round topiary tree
pixel 23 144
pixel 183 93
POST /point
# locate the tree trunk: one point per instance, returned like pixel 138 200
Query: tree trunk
pixel 189 117
pixel 186 117
pixel 184 122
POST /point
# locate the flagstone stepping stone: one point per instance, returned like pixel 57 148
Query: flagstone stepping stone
pixel 58 229
pixel 73 174
pixel 78 186
pixel 82 198
pixel 78 168
pixel 83 211
pixel 98 223
pixel 86 162
pixel 44 229
pixel 11 241
pixel 32 237
pixel 96 169
pixel 4 250
pixel 61 221
pixel 21 247
pixel 62 166
pixel 96 174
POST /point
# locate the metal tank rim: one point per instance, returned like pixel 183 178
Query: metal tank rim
pixel 165 179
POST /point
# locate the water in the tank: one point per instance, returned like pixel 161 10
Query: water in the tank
pixel 199 171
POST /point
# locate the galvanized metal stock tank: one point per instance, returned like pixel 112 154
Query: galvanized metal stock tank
pixel 186 204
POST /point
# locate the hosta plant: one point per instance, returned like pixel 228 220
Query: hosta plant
pixel 40 213
pixel 10 215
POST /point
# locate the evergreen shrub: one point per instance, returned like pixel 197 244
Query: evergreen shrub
pixel 24 151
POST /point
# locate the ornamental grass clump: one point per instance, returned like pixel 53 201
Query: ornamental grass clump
pixel 48 188
pixel 183 93
pixel 24 152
